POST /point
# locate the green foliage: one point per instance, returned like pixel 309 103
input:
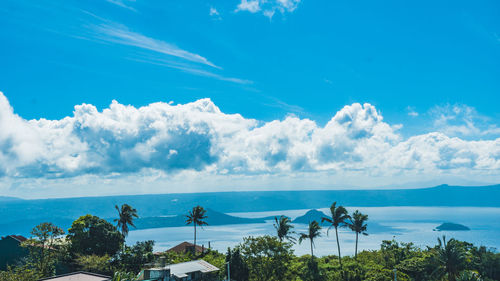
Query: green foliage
pixel 20 273
pixel 283 226
pixel 237 266
pixel 124 276
pixel 95 264
pixel 266 257
pixel 210 256
pixel 450 258
pixel 338 218
pixel 312 272
pixel 313 232
pixel 133 259
pixel 394 253
pixel 196 217
pixel 45 248
pixel 91 235
pixel 126 217
pixel 468 275
pixel 357 223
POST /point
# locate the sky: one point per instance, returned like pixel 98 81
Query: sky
pixel 148 96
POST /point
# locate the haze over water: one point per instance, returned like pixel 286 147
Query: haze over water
pixel 405 224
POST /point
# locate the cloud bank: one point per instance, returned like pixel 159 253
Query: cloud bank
pixel 199 138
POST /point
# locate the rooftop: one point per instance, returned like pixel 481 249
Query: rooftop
pixel 180 270
pixel 78 276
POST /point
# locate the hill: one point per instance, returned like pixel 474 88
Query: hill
pixel 9 199
pixel 213 218
pixel 311 215
pixel 448 226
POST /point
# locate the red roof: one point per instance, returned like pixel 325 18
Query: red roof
pixel 186 246
pixel 19 238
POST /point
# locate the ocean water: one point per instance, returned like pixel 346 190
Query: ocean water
pixel 405 224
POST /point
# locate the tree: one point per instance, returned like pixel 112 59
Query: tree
pixel 126 217
pixel 133 258
pixel 284 227
pixel 338 218
pixel 314 231
pixel 44 248
pixel 91 235
pixel 311 271
pixel 267 258
pixel 468 275
pixel 95 264
pixel 237 266
pixel 196 217
pixel 358 225
pixel 124 276
pixel 20 273
pixel 450 258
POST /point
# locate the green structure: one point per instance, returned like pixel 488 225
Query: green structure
pixel 11 250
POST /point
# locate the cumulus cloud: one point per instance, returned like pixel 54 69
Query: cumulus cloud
pixel 268 7
pixel 198 137
pixel 462 120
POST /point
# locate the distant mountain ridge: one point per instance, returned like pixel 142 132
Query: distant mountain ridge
pixel 19 216
pixel 8 199
pixel 213 218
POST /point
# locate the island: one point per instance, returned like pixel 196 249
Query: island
pixel 448 226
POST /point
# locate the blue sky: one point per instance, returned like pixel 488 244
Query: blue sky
pixel 425 66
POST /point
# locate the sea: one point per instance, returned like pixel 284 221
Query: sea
pixel 403 224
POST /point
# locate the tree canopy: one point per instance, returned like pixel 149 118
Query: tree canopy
pixel 91 235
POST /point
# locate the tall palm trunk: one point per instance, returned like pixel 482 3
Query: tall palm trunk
pixel 312 254
pixel 338 247
pixel 356 250
pixel 194 247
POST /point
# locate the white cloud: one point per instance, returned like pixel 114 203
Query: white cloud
pixel 162 53
pixel 213 12
pixel 412 112
pixel 268 7
pixel 198 139
pixel 191 69
pixel 462 120
pixel 252 6
pixel 123 3
pixel 120 34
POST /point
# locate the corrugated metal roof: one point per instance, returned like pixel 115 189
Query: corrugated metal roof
pixel 180 270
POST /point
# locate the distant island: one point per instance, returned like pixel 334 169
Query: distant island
pixel 311 215
pixel 448 226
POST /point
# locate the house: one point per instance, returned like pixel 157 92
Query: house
pixel 196 270
pixel 186 247
pixel 78 276
pixel 11 250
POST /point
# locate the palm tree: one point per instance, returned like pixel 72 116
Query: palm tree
pixel 338 218
pixel 314 231
pixel 196 216
pixel 450 257
pixel 284 228
pixel 358 225
pixel 125 218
